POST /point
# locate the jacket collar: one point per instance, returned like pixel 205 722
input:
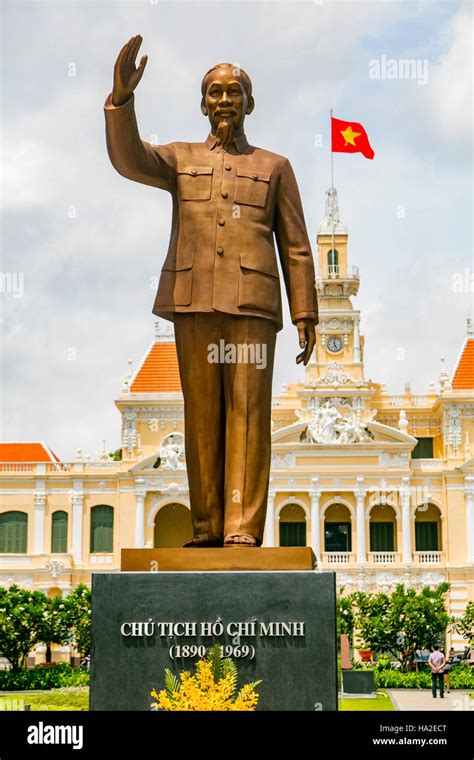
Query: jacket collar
pixel 240 143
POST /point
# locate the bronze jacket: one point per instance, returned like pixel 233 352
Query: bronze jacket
pixel 227 207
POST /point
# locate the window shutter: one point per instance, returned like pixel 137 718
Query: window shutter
pixel 13 532
pixel 59 533
pixel 381 537
pixel 426 536
pixel 292 534
pixel 102 528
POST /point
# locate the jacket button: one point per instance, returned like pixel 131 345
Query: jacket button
pixel 193 171
pixel 225 194
pixel 220 251
pixel 227 167
pixel 254 176
pixel 221 222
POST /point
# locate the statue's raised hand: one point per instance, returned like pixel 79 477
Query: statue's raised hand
pixel 126 74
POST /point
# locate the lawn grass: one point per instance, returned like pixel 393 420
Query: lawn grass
pixel 70 698
pixel 77 698
pixel 381 702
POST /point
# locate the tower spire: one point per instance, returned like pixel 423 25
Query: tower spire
pixel 331 222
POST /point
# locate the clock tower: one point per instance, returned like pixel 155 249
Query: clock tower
pixel 339 345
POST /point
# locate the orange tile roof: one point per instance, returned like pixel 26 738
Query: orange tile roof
pixel 26 452
pixel 463 378
pixel 158 372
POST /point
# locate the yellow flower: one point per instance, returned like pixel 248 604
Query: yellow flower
pixel 212 687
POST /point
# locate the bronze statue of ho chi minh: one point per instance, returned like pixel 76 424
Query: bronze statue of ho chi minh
pixel 220 286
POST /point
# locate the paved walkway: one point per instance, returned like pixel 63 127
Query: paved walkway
pixel 421 699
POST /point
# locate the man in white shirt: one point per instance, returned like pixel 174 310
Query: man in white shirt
pixel 437 661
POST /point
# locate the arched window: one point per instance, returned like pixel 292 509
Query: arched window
pixel 383 534
pixel 59 533
pixel 13 532
pixel 102 528
pixel 333 263
pixel 292 526
pixel 337 529
pixel 428 531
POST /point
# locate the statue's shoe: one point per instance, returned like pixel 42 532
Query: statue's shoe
pixel 204 540
pixel 241 539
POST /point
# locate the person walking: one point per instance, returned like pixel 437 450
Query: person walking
pixel 437 662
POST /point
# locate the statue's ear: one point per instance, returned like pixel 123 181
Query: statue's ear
pixel 250 106
pixel 203 108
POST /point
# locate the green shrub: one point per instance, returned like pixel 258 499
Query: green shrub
pixel 395 679
pixel 461 677
pixel 58 675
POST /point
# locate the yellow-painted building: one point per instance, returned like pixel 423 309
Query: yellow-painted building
pixel 381 486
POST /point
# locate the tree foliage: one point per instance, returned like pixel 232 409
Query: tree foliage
pixel 79 618
pixel 401 623
pixel 23 617
pixel 28 618
pixel 464 625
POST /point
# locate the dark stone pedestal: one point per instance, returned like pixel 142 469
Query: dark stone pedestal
pixel 358 681
pixel 287 623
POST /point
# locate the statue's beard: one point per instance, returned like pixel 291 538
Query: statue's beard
pixel 225 133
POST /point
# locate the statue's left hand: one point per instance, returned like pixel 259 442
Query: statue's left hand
pixel 307 339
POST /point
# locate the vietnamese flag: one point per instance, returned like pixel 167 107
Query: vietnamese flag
pixel 350 137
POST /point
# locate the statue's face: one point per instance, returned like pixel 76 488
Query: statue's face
pixel 226 99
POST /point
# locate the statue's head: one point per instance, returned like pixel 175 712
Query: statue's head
pixel 226 99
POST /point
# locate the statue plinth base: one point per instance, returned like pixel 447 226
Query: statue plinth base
pixel 279 627
pixel 226 558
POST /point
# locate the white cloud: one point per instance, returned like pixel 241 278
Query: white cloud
pixel 87 280
pixel 450 90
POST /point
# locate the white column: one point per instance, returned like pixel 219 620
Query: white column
pixel 77 500
pixel 407 557
pixel 360 492
pixel 315 494
pixel 356 340
pixel 469 496
pixel 269 533
pixel 140 494
pixel 40 501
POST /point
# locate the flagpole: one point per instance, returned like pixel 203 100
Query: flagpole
pixel 332 160
pixel 332 188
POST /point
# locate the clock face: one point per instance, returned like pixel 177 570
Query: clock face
pixel 334 344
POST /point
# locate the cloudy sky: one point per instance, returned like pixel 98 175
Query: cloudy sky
pixel 81 246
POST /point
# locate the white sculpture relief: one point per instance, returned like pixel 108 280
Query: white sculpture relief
pixel 17 579
pixel 328 425
pixel 385 581
pixel 129 432
pixel 453 428
pixel 284 460
pixel 172 452
pixel 335 376
pixel 54 566
pixel 399 459
pixel 430 579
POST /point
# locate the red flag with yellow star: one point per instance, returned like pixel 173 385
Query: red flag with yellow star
pixel 350 137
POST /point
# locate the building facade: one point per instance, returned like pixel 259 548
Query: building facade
pixel 381 486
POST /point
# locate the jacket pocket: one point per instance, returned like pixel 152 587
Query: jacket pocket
pixel 251 187
pixel 176 280
pixel 259 284
pixel 195 183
